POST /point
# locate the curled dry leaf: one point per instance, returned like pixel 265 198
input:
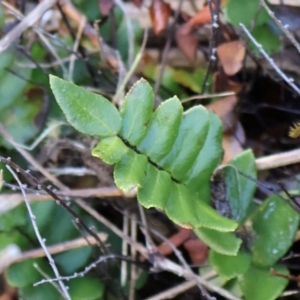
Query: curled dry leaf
pixel 197 250
pixel 177 240
pixel 231 56
pixel 160 12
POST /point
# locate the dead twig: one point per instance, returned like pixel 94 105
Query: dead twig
pixel 39 237
pixel 289 81
pixel 27 22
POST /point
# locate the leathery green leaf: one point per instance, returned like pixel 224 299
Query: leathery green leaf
pixel 130 171
pixel 259 284
pixel 110 149
pixel 275 224
pixel 136 112
pixel 240 190
pixel 186 210
pixel 190 139
pixel 222 242
pixel 208 157
pixel 87 112
pixel 156 188
pixel 229 266
pixel 162 130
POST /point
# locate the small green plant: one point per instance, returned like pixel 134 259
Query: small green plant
pixel 170 156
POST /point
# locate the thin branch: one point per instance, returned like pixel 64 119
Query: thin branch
pixel 214 12
pixel 82 273
pixel 163 263
pixel 200 97
pixel 289 81
pixel 167 49
pixel 282 27
pixel 75 47
pixel 59 201
pixel 27 22
pixel 61 247
pixel 39 237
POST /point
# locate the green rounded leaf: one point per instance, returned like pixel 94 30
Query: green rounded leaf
pixel 239 189
pixel 221 242
pixel 265 36
pixel 31 292
pixel 85 288
pixel 189 141
pixel 207 159
pixel 162 131
pixel 230 266
pixel 110 149
pixel 275 224
pixel 246 12
pixel 186 210
pixel 87 112
pixel 23 273
pixel 130 171
pixel 70 261
pixel 137 111
pixel 156 188
pixel 259 284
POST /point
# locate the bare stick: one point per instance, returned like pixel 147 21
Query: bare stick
pixel 282 27
pixel 81 274
pixel 61 247
pixel 38 235
pixel 278 160
pixel 289 81
pixel 163 263
pixel 27 22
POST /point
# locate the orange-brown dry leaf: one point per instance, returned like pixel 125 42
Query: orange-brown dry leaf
pixel 160 12
pixel 231 56
pixel 201 18
pixel 225 109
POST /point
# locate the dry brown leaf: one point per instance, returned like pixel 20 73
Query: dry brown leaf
pixel 222 83
pixel 231 56
pixel 106 6
pixel 225 109
pixel 231 146
pixel 160 12
pixel 233 132
pixel 187 43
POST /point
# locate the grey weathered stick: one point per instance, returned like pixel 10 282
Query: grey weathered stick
pixel 289 81
pixel 39 237
pixel 27 22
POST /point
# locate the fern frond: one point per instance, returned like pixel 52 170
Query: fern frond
pixel 295 131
